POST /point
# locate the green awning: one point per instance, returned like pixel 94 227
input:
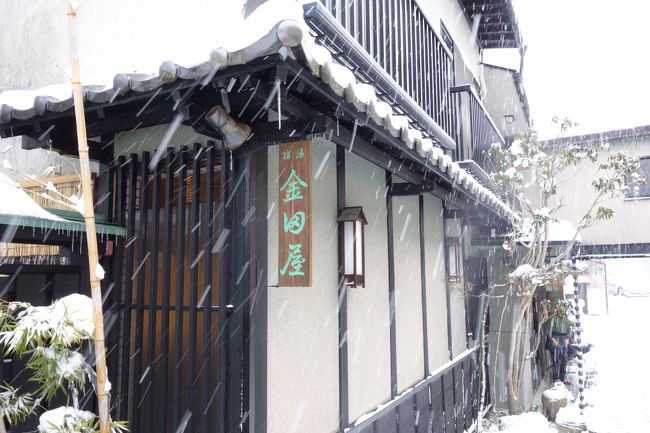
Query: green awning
pixel 72 222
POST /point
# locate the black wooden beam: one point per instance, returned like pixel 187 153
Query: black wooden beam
pixel 270 133
pixel 447 293
pixel 259 303
pixel 343 299
pixel 391 289
pixel 423 282
pixel 432 187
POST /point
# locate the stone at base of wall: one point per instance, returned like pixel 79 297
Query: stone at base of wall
pixel 553 399
pixel 571 428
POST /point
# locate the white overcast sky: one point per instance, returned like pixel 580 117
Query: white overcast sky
pixel 588 60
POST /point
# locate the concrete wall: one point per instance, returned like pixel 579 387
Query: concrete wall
pixel 434 249
pixel 302 364
pixel 625 227
pixel 368 312
pixel 408 292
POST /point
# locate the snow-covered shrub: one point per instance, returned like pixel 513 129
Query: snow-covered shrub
pixel 51 339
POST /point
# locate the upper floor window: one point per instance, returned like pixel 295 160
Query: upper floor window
pixel 644 189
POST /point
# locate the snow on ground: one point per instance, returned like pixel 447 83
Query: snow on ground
pixel 619 400
pixel 621 396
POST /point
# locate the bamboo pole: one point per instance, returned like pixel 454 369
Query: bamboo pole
pixel 91 234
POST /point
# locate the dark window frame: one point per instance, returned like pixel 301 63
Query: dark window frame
pixel 644 189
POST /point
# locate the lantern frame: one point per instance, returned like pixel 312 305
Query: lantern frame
pixel 352 250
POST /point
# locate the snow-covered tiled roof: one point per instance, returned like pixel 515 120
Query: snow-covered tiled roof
pixel 286 32
pixel 16 202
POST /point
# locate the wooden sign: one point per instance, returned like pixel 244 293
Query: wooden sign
pixel 294 213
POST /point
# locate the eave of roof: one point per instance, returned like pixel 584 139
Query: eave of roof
pixel 602 137
pixel 285 37
pixel 498 27
pixel 59 226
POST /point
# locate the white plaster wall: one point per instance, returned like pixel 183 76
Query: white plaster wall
pixel 302 366
pixel 457 303
pixel 408 292
pixel 452 16
pixel 148 139
pixel 434 238
pixel 458 334
pixel 627 225
pixel 501 99
pixel 368 312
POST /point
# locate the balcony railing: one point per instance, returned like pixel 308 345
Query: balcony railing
pixel 477 130
pixel 397 35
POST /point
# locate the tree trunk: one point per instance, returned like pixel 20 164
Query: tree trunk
pixel 514 361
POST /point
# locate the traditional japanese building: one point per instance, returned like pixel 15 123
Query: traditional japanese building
pixel 292 215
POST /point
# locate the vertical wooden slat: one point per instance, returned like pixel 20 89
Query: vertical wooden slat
pixel 391 38
pixel 448 400
pixel 437 86
pixel 195 230
pixel 422 411
pixel 179 289
pixel 388 422
pixel 467 391
pixel 431 56
pixel 129 248
pixel 406 416
pixel 427 70
pixel 119 205
pixel 397 42
pixel 208 225
pixel 437 405
pixel 380 18
pixel 166 283
pixel 412 50
pixel 370 27
pixel 448 84
pixel 401 23
pixel 224 265
pixel 459 415
pixel 419 72
pixel 353 10
pixel 153 289
pixel 140 282
pixel 406 47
